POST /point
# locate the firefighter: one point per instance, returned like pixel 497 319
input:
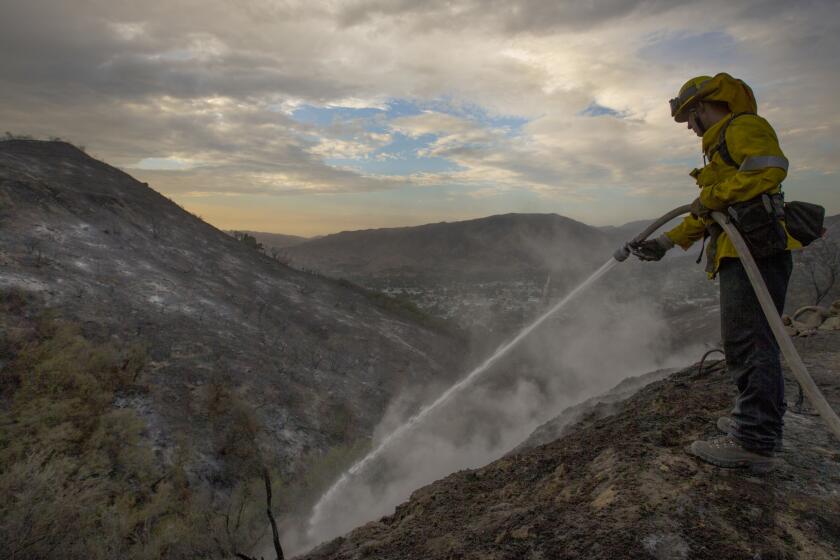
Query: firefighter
pixel 743 173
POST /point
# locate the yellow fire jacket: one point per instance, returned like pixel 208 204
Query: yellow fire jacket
pixel 750 140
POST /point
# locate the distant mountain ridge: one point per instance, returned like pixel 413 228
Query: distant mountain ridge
pixel 496 245
pixel 492 272
pixel 483 245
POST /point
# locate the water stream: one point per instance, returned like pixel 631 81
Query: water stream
pixel 323 504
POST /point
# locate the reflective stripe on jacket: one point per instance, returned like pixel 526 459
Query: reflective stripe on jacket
pixel 752 144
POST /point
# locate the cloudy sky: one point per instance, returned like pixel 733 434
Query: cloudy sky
pixel 310 117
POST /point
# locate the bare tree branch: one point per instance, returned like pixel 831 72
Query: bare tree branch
pixel 277 548
pixel 822 264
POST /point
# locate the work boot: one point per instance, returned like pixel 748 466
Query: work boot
pixel 727 426
pixel 727 452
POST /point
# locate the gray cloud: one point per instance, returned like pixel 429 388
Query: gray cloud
pixel 135 81
pixel 523 16
pixel 164 59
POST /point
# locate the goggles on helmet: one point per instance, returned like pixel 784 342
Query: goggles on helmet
pixel 684 95
pixel 675 104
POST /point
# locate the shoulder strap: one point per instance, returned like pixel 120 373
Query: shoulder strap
pixel 722 148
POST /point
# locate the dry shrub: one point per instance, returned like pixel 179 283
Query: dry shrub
pixel 235 431
pixel 79 477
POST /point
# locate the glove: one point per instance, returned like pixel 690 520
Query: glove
pixel 698 210
pixel 651 249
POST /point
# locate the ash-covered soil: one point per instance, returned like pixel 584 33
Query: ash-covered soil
pixel 622 486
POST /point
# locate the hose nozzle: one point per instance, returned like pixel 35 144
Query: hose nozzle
pixel 622 253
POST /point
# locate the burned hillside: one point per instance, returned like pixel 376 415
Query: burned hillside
pixel 618 484
pixel 232 358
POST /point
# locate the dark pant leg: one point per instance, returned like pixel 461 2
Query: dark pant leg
pixel 752 353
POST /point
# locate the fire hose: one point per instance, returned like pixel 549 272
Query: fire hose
pixel 792 357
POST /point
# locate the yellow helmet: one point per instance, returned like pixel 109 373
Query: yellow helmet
pixel 722 87
pixel 687 97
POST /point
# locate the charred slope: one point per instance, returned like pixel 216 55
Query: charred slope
pixel 621 486
pixel 315 360
pixel 496 246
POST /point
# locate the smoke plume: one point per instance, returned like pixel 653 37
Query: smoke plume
pixel 590 346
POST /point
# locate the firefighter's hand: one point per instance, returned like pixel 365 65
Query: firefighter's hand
pixel 651 249
pixel 698 210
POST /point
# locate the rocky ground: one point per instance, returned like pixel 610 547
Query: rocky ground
pixel 619 484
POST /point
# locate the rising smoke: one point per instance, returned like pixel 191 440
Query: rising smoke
pixel 586 349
